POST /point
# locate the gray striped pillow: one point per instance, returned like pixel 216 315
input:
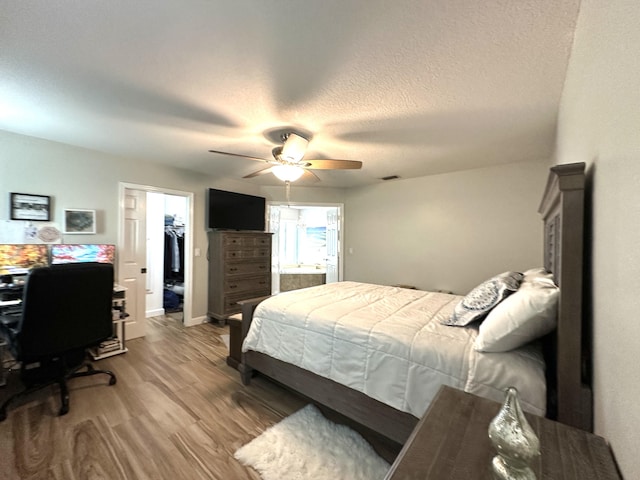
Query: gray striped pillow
pixel 479 301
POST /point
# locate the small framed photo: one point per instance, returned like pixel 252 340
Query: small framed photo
pixel 77 221
pixel 25 206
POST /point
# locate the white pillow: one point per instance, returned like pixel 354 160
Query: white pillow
pixel 528 314
pixel 536 274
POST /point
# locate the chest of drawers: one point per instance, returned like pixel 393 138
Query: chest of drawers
pixel 239 269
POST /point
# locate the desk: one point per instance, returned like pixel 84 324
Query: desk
pixel 451 442
pixel 116 344
pixel 11 291
pixel 110 347
pixel 3 372
pixel 7 307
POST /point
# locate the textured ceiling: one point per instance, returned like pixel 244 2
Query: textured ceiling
pixel 409 88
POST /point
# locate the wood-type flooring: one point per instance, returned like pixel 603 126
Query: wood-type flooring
pixel 177 412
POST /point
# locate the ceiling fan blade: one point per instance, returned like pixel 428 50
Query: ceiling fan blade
pixel 332 164
pixel 259 172
pixel 239 155
pixel 309 176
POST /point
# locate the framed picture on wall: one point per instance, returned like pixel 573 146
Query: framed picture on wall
pixel 78 221
pixel 26 206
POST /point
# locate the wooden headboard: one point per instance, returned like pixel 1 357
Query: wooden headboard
pixel 563 212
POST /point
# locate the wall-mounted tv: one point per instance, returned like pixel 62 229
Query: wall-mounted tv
pixel 235 211
pixel 76 253
pixel 18 259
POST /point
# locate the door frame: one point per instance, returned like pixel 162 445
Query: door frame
pixel 340 207
pixel 188 243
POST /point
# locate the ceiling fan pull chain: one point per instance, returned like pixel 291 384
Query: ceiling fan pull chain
pixel 287 189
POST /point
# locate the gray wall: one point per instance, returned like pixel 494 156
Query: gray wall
pixel 80 178
pixel 446 232
pixel 443 232
pixel 599 124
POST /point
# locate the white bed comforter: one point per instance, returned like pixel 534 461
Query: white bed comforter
pixel 388 343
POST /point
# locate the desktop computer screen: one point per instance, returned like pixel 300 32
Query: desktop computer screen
pixel 74 253
pixel 18 259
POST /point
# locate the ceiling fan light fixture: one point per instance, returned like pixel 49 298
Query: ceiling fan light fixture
pixel 294 148
pixel 287 173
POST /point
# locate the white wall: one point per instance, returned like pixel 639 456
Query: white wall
pixel 305 195
pixel 155 251
pixel 443 232
pixel 80 178
pixel 446 232
pixel 599 123
pixel 176 207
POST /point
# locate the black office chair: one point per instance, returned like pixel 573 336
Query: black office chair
pixel 65 310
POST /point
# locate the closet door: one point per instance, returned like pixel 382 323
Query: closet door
pixel 132 260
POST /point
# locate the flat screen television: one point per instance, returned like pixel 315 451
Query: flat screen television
pixel 18 259
pixel 76 253
pixel 235 211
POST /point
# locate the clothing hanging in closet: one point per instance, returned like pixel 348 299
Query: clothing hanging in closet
pixel 174 254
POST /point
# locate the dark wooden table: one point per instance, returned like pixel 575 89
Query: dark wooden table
pixel 451 442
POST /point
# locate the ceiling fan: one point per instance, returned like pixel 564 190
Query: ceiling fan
pixel 289 164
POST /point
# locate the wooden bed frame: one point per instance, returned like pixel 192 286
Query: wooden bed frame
pixel 569 395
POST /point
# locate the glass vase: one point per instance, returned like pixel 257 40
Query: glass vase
pixel 514 440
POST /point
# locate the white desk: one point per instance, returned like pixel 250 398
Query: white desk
pixel 116 344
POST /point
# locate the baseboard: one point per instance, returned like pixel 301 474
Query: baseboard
pixel 195 321
pixel 154 313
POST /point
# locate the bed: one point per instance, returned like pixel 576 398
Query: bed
pixel 561 390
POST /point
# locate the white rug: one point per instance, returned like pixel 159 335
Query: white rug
pixel 307 446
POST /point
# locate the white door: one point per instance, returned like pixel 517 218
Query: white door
pixel 333 241
pixel 132 260
pixel 274 227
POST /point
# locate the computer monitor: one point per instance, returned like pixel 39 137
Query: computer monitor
pixel 76 253
pixel 19 259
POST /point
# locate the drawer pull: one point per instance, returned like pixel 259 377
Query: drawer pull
pixel 233 286
pixel 233 269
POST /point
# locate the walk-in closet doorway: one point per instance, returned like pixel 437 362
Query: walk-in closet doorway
pixel 166 218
